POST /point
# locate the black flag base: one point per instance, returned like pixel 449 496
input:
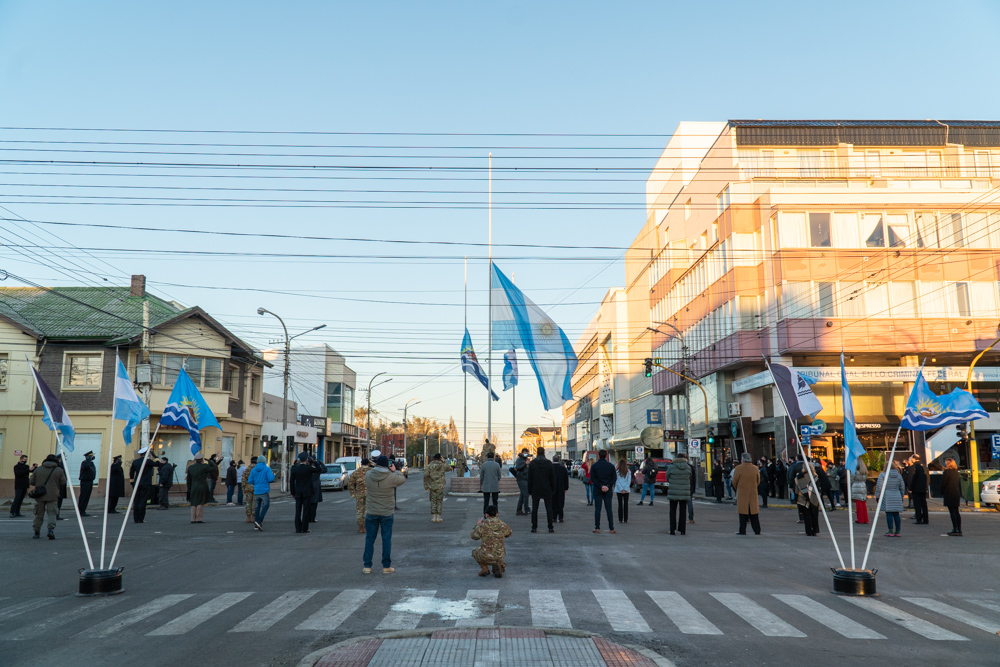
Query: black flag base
pixel 95 583
pixel 859 583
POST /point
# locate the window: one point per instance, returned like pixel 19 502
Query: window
pixel 193 369
pixel 749 307
pixel 877 299
pixel 83 371
pixel 872 230
pixel 851 299
pixel 793 230
pixel 927 234
pixel 234 381
pixel 899 229
pixel 950 231
pixel 213 374
pixel 254 388
pixel 334 401
pixel 172 369
pixel 796 299
pixel 819 230
pixel 723 200
pixel 845 230
pixel 932 299
pixel 903 298
pixel 808 163
pixel 960 302
pixel 977 232
pixel 984 299
pixel 4 367
pixel 825 299
pixel 205 372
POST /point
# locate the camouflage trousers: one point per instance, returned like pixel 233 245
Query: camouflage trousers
pixel 248 499
pixel 361 502
pixel 437 497
pixel 485 557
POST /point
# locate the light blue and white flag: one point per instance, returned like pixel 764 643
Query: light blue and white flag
pixel 187 408
pixel 55 415
pixel 851 442
pixel 926 410
pixel 509 369
pixel 518 322
pixel 470 364
pixel 128 406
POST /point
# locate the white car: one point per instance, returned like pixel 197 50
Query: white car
pixel 990 493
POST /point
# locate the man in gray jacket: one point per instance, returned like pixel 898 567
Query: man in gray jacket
pixel 51 477
pixel 380 484
pixel 489 481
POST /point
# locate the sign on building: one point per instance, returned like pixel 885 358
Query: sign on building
pixel 654 417
pixel 994 445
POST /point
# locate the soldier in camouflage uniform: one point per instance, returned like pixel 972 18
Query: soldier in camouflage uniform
pixel 491 552
pixel 248 489
pixel 461 465
pixel 358 490
pixel 434 483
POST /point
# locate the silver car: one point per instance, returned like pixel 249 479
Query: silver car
pixel 335 477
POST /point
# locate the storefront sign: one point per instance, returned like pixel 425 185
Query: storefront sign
pixel 994 445
pixel 820 427
pixel 876 374
pixel 654 417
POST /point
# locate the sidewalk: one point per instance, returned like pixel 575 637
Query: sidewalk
pixel 482 648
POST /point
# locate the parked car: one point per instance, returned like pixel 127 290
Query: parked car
pixel 990 493
pixel 334 478
pixel 661 473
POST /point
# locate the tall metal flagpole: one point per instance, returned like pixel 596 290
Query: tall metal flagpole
pixel 489 368
pixel 111 451
pixel 465 376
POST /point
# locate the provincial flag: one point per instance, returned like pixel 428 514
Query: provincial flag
pixel 187 408
pixel 470 364
pixel 926 410
pixel 798 398
pixel 128 406
pixel 55 415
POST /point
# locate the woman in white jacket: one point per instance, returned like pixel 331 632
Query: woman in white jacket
pixel 859 492
pixel 623 485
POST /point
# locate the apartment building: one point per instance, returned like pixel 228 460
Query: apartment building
pixel 795 240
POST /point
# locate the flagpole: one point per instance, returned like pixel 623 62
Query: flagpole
pixel 465 376
pixel 808 465
pixel 111 449
pixel 489 367
pixel 135 487
pixel 850 505
pixel 513 418
pixel 72 495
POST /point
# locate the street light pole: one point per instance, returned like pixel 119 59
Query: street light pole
pixel 368 411
pixel 405 408
pixel 973 448
pixel 553 419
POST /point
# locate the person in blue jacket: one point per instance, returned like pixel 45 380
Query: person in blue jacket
pixel 261 478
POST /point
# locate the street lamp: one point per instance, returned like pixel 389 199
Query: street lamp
pixel 284 396
pixel 553 420
pixel 405 408
pixel 368 412
pixel 973 447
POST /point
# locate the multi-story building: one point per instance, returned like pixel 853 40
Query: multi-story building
pixel 73 335
pixel 796 240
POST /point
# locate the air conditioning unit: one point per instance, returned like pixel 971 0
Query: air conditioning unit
pixel 734 410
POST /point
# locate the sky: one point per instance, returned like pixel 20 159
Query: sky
pixel 375 121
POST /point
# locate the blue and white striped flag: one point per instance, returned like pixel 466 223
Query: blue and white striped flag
pixel 128 406
pixel 55 415
pixel 851 442
pixel 187 408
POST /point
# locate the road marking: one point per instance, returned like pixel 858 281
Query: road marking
pixel 199 615
pixel 18 609
pixel 995 606
pixel 760 618
pixel 337 502
pixel 266 616
pixel 687 619
pixel 959 615
pixel 116 623
pixel 462 500
pixel 908 621
pixel 402 616
pixel 337 611
pixel 827 617
pixel 620 612
pixel 486 598
pixel 40 628
pixel 548 610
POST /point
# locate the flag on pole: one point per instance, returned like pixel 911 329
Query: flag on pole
pixel 470 364
pixel 128 406
pixel 518 322
pixel 55 415
pixel 926 410
pixel 851 442
pixel 799 399
pixel 187 408
pixel 509 369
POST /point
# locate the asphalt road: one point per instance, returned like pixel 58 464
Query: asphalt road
pixel 222 594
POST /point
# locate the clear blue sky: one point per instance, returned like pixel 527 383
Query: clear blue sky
pixel 589 68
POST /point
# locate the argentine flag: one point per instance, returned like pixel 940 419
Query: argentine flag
pixel 187 408
pixel 128 406
pixel 851 442
pixel 518 322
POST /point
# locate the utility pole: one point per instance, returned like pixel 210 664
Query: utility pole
pixel 368 411
pixel 405 408
pixel 144 356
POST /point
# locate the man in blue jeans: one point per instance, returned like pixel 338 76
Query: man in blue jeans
pixel 603 477
pixel 380 488
pixel 260 478
pixel 649 471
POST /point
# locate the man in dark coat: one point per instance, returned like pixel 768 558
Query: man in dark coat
pixel 918 492
pixel 521 476
pixel 300 485
pixel 779 478
pixel 116 484
pixel 772 486
pixel 88 473
pixel 718 473
pixel 825 487
pixel 21 474
pixel 603 475
pixel 142 485
pixel 561 487
pixel 317 488
pixel 951 494
pixel 62 489
pixel 541 485
pixel 166 480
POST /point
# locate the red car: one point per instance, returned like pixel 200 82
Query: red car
pixel 661 473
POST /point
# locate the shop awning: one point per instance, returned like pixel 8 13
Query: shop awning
pixel 619 440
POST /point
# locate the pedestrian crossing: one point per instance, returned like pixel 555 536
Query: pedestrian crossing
pixel 780 616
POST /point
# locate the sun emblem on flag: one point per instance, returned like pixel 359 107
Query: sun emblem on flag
pixel 928 408
pixel 188 403
pixel 546 328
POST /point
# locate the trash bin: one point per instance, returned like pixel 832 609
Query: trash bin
pixel 708 488
pixel 935 483
pixel 967 493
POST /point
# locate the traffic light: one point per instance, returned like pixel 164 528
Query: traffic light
pixel 649 367
pixel 711 436
pixel 961 435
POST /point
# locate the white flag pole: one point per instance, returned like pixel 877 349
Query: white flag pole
pixel 850 507
pixel 489 372
pixel 465 376
pixel 111 451
pixel 135 487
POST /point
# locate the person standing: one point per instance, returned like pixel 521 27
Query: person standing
pixel 859 492
pixel 588 483
pixel 521 476
pixel 213 477
pixel 380 484
pixel 166 481
pixel 780 483
pixel 907 472
pixel 489 481
pixel 727 477
pixel 241 468
pixel 561 487
pixel 717 484
pixel 825 488
pixel 771 467
pixel 603 476
pixel 434 481
pixel 541 482
pixel 951 492
pixel 918 492
pixel 248 488
pixel 356 487
pixel 461 464
pixel 762 485
pixel 694 485
pixel 679 489
pixel 232 478
pixel 260 478
pixel 623 482
pixel 198 478
pixel 317 487
pixel 21 475
pixel 49 476
pixel 142 484
pixel 892 500
pixel 648 480
pixel 746 481
pixel 300 485
pixel 116 484
pixel 88 473
pixel 62 489
pixel 492 531
pixel 808 500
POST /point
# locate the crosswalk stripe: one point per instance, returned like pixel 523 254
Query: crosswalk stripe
pixel 620 612
pixel 908 621
pixel 116 623
pixel 401 618
pixel 754 614
pixel 957 614
pixel 462 500
pixel 270 614
pixel 548 609
pixel 38 629
pixel 337 611
pixel 199 615
pixel 687 619
pixel 18 609
pixel 486 598
pixel 989 604
pixel 827 617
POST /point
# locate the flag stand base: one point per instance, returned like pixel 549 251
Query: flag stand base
pixel 95 583
pixel 858 583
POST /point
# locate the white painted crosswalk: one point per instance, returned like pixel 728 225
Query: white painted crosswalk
pixel 703 613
